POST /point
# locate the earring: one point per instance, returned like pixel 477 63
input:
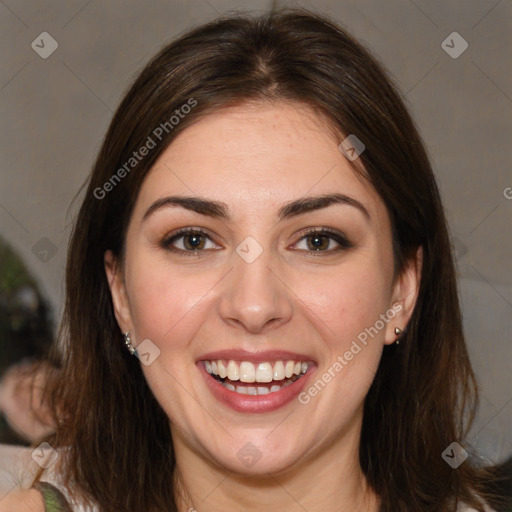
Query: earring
pixel 128 343
pixel 398 332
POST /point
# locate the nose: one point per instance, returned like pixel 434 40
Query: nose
pixel 255 297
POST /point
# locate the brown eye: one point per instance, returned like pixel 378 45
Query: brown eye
pixel 322 241
pixel 318 242
pixel 194 242
pixel 188 242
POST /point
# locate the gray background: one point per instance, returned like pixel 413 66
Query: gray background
pixel 55 112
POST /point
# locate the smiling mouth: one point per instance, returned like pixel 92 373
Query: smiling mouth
pixel 264 378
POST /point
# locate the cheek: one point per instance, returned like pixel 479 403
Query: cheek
pixel 164 303
pixel 347 301
pixel 166 308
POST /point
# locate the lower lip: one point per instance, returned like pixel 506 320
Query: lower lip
pixel 255 403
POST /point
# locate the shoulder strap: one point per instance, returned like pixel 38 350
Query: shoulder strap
pixel 54 500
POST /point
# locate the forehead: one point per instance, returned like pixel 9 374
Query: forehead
pixel 256 156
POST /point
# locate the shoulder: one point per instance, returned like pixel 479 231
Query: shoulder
pixel 22 500
pixel 16 476
pixel 19 490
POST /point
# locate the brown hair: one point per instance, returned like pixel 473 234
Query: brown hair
pixel 121 452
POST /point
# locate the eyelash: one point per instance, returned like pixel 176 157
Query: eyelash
pixel 343 242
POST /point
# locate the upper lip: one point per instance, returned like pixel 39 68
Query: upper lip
pixel 254 357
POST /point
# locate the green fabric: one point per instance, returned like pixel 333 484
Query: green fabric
pixel 54 500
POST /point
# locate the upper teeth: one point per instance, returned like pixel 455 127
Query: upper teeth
pixel 246 371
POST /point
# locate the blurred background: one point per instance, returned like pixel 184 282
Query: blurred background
pixel 67 64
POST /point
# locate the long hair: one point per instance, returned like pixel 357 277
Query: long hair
pixel 119 451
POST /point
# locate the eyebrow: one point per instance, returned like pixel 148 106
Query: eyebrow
pixel 220 210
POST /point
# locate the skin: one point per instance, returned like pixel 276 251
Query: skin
pixel 255 158
pixel 22 500
pixel 21 400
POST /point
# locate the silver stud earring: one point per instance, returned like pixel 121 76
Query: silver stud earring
pixel 128 343
pixel 398 332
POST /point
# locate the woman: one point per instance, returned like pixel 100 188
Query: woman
pixel 263 227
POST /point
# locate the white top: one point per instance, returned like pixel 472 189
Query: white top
pixel 465 508
pixel 19 465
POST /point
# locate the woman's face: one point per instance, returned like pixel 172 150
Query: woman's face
pixel 258 291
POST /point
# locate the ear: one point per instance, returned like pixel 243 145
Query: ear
pixel 405 294
pixel 117 287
